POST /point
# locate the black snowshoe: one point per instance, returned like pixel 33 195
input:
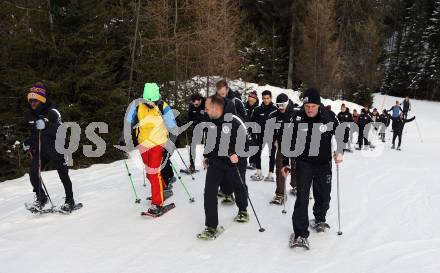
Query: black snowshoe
pixel 157 211
pixel 319 226
pixel 298 242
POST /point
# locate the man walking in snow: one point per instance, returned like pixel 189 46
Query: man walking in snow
pixel 43 120
pixel 223 163
pixel 260 115
pixel 406 107
pixel 398 125
pixel 196 114
pixel 313 165
pixel 155 120
pixel 233 105
pixel 283 116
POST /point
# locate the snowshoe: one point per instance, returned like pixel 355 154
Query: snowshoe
pixel 269 178
pixel 319 226
pixel 189 171
pixel 69 210
pixel 157 211
pixel 257 177
pixel 210 234
pixel 220 194
pixel 242 217
pixel 298 242
pixel 37 205
pixel 293 191
pixel 68 205
pixel 228 200
pixel 277 200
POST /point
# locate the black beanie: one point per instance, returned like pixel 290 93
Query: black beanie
pixel 281 98
pixel 311 95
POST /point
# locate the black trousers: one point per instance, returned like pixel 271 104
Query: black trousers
pixel 61 167
pixel 397 135
pixel 361 139
pixel 271 157
pixel 216 173
pixel 320 176
pixel 167 171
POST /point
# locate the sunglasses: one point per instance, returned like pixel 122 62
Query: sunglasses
pixel 282 104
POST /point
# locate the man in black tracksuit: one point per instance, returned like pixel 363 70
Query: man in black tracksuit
pixel 223 163
pixel 43 122
pixel 233 105
pixel 251 104
pixel 260 115
pixel 406 107
pixel 385 119
pixel 313 165
pixel 196 114
pixel 398 125
pixel 363 120
pixel 346 116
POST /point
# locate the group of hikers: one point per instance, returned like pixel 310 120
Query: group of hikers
pixel 154 128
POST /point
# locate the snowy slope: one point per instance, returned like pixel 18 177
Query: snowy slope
pixel 390 203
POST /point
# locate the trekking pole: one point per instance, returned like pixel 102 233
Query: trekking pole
pixel 285 197
pixel 137 200
pixel 418 130
pixel 339 201
pixel 250 202
pixel 41 185
pixel 191 199
pixel 184 163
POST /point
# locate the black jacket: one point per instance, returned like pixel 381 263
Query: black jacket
pixel 406 105
pixel 52 118
pixel 261 114
pixel 226 129
pixel 363 120
pixel 399 123
pixel 345 117
pixel 285 119
pixel 235 105
pixel 197 114
pixel 328 126
pixel 250 108
pixel 385 119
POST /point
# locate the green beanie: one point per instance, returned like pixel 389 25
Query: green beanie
pixel 151 92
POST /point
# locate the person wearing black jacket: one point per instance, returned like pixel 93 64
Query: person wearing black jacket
pixel 313 164
pixel 260 115
pixel 251 104
pixel 284 115
pixel 224 163
pixel 196 114
pixel 43 121
pixel 346 116
pixel 406 107
pixel 398 125
pixel 385 119
pixel 363 120
pixel 233 105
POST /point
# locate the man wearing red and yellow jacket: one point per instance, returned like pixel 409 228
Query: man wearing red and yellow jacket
pixel 154 119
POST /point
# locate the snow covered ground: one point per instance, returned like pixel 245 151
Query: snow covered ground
pixel 390 201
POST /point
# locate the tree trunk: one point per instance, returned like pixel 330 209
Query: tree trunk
pixel 133 51
pixel 291 51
